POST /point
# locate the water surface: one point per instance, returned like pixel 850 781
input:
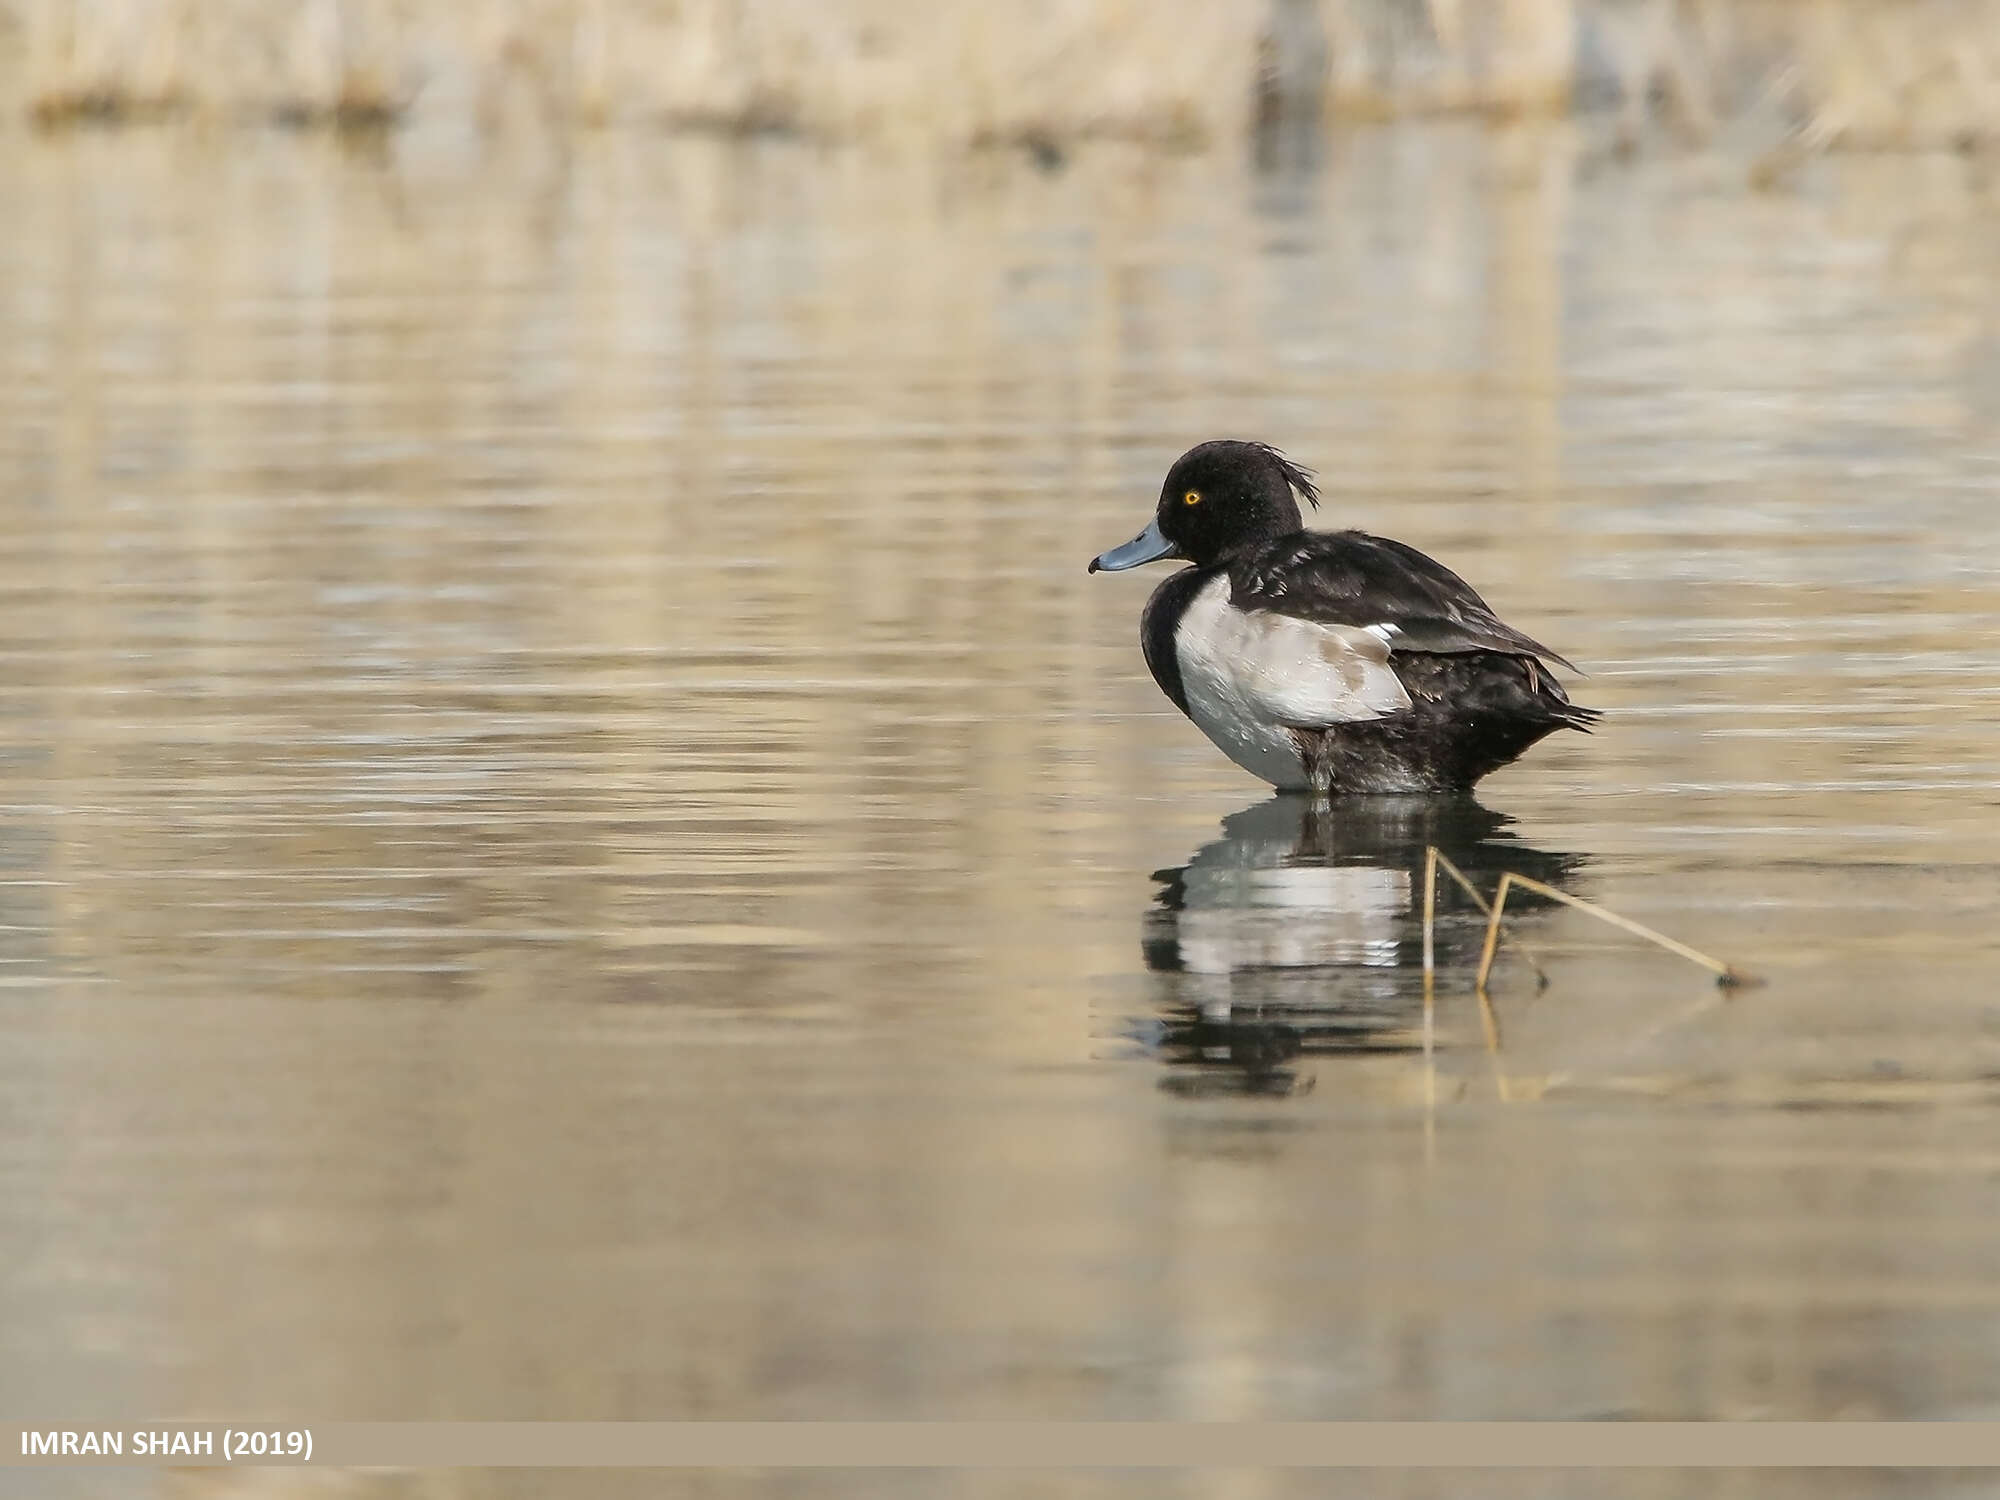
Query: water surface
pixel 575 841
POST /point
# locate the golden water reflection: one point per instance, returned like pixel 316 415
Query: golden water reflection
pixel 575 842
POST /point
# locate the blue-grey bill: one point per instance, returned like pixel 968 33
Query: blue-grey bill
pixel 1147 546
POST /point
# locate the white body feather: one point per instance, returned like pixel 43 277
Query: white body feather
pixel 1253 677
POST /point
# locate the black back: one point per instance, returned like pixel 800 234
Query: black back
pixel 1352 578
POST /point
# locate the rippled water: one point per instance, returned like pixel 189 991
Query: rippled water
pixel 575 841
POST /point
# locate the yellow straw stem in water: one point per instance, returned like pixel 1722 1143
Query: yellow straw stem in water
pixel 1725 975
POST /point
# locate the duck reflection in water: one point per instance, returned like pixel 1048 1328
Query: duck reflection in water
pixel 1300 931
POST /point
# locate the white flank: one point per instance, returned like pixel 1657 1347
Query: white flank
pixel 1251 678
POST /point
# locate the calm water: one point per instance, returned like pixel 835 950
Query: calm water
pixel 575 841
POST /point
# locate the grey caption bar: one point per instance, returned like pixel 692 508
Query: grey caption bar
pixel 996 1445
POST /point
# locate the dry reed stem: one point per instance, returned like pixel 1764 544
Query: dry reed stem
pixel 1433 858
pixel 1725 975
pixel 1489 1019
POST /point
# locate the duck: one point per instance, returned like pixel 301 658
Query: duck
pixel 1329 663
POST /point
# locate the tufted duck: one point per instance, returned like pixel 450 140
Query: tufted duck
pixel 1328 661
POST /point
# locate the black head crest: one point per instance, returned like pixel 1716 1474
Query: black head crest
pixel 1297 476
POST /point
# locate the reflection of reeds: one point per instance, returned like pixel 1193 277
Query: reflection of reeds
pixel 1172 72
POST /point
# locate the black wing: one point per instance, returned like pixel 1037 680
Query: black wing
pixel 1352 578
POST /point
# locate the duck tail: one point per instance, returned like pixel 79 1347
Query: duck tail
pixel 1575 716
pixel 1562 713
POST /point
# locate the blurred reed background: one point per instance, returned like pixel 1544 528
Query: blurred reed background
pixel 1866 73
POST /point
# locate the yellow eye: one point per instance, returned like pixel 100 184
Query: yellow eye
pixel 1192 497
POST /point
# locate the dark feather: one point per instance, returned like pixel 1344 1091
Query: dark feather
pixel 1469 714
pixel 1352 578
pixel 1297 476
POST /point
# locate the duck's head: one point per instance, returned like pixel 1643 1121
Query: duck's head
pixel 1218 499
